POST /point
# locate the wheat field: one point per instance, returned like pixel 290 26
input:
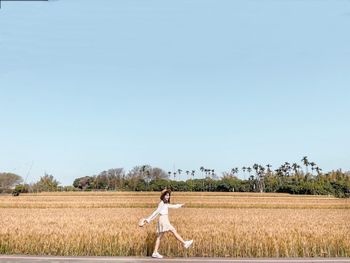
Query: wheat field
pixel 221 224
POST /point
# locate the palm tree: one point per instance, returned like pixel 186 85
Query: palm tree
pixel 279 172
pixel 283 170
pixel 208 173
pixel 268 167
pixel 249 169
pixel 187 172
pixel 287 168
pixel 295 168
pixel 143 169
pixel 256 167
pixel 306 163
pixel 192 173
pixel 243 169
pixel 202 170
pixel 318 170
pixel 312 167
pixel 234 170
pixel 179 171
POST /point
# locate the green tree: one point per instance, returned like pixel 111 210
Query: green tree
pixel 47 183
pixel 8 181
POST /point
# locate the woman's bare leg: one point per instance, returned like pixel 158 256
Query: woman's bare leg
pixel 159 237
pixel 178 237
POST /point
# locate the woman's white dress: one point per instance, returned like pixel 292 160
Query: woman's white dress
pixel 163 222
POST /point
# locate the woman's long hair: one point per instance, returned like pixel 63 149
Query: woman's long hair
pixel 163 193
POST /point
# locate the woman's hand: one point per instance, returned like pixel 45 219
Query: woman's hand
pixel 142 222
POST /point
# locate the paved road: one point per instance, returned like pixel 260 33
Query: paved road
pixel 11 259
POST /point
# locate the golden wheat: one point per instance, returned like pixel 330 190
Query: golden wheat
pixel 221 224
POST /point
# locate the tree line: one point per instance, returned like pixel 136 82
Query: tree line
pixel 304 178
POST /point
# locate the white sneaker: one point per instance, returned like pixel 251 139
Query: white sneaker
pixel 188 243
pixel 157 255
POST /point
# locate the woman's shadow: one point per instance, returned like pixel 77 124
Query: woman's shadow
pixel 150 242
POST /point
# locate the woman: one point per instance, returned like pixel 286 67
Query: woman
pixel 163 222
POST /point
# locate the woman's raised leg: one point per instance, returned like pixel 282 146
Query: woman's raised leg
pixel 178 237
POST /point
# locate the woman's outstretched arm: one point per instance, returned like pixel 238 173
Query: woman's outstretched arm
pixel 175 206
pixel 155 213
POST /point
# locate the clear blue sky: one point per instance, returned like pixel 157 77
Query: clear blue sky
pixel 90 85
